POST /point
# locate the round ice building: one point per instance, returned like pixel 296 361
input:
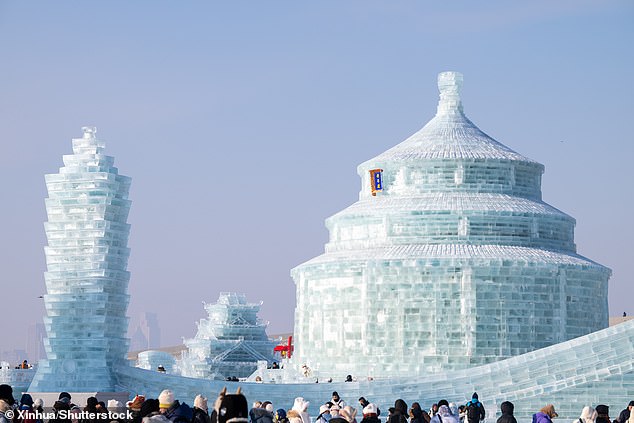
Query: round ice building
pixel 449 259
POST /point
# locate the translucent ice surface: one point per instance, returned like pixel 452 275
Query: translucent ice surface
pixel 456 262
pixel 229 342
pixel 86 278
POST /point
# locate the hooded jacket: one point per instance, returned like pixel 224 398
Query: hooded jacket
pixel 400 412
pixel 545 415
pixel 4 407
pixel 179 413
pixel 260 415
pixel 507 416
pixel 588 415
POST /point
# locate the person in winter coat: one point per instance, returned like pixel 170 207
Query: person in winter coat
pixel 399 415
pixel 335 415
pixel 293 416
pixel 349 413
pixel 324 414
pixel 545 415
pixel 364 403
pixel 624 415
pixel 437 418
pixel 135 408
pixel 26 409
pixel 603 414
pixel 173 409
pixel 301 406
pixel 417 414
pixel 588 415
pixel 475 409
pixel 6 402
pixel 444 415
pixel 261 415
pixel 151 412
pixel 200 413
pixel 61 405
pixel 280 416
pixel 336 399
pixel 370 414
pixel 507 416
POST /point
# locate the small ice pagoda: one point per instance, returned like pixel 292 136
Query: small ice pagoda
pixel 229 343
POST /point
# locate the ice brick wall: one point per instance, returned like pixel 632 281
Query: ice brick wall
pixel 455 262
pixel 594 369
pixel 86 278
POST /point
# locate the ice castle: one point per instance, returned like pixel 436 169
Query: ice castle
pixel 86 278
pixel 450 259
pixel 230 342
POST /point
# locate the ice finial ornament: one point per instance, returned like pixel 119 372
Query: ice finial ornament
pixel 449 85
pixel 89 131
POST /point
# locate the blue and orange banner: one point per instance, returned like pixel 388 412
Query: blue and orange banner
pixel 376 179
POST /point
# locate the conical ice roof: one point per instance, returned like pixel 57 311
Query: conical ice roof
pixel 449 135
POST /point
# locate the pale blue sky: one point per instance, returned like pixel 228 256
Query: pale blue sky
pixel 242 123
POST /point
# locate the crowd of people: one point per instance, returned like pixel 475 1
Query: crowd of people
pixel 233 408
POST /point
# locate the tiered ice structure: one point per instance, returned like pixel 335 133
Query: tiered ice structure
pixel 452 261
pixel 229 343
pixel 87 280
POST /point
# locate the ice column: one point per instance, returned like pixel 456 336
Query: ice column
pixel 86 278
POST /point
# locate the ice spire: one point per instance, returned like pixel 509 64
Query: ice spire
pixel 87 277
pixel 449 85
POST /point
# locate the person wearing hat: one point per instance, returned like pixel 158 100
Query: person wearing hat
pixel 370 414
pixel 324 414
pixel 603 414
pixel 545 415
pixel 173 409
pixel 135 407
pixel 201 410
pixel 364 403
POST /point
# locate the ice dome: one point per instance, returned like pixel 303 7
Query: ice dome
pixel 449 259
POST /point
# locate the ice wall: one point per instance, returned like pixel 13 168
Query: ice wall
pixel 454 262
pixel 86 278
pixel 594 369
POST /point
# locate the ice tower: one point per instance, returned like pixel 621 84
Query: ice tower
pixel 449 259
pixel 86 278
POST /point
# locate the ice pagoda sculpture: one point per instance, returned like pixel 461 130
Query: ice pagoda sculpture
pixel 86 278
pixel 229 343
pixel 450 259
